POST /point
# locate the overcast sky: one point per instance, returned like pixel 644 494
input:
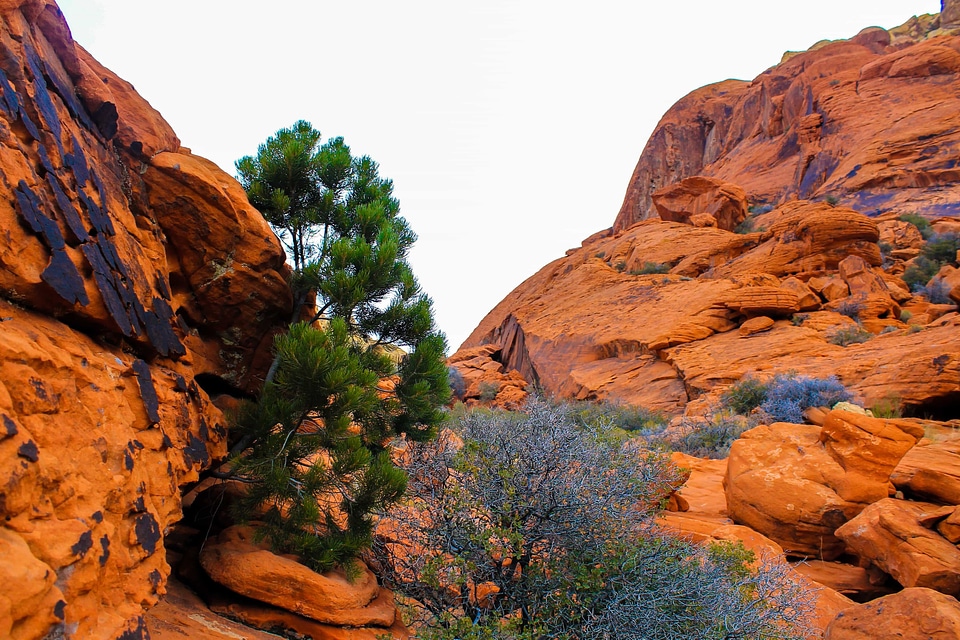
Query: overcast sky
pixel 509 127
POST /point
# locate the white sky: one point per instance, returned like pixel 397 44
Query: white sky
pixel 510 127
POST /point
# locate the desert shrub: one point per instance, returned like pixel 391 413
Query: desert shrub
pixel 905 315
pixel 789 395
pixel 890 406
pixel 621 266
pixel 936 292
pixel 942 247
pixel 831 200
pixel 651 267
pixel 745 396
pixel 629 418
pixel 556 521
pixel 703 439
pixel 845 336
pixel 921 223
pixel 457 385
pixel 851 307
pixel 914 328
pixel 799 318
pixel 745 227
pixel 489 390
pixel 600 254
pixel 889 329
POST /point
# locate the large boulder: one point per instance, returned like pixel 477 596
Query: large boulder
pixel 912 614
pixel 891 535
pixel 725 203
pixel 798 483
pixel 235 561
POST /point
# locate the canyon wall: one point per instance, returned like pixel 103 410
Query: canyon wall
pixel 135 282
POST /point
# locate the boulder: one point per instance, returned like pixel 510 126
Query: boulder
pixel 854 582
pixel 687 201
pixel 889 534
pixel 756 325
pixel 912 614
pixel 236 562
pixel 931 470
pixel 868 449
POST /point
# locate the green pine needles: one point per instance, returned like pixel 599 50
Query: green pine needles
pixel 367 367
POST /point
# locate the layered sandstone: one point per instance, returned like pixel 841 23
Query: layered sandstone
pixel 134 277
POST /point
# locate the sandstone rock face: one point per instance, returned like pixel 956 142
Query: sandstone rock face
pixel 234 561
pixel 913 614
pixel 821 124
pixel 797 483
pixel 131 273
pixel 890 535
pixel 725 203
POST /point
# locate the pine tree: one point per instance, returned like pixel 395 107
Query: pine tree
pixel 369 366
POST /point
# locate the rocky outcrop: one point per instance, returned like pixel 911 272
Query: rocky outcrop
pixel 235 561
pixel 821 124
pixel 134 279
pixel 702 202
pixel 913 614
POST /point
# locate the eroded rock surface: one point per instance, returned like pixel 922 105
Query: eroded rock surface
pixel 132 274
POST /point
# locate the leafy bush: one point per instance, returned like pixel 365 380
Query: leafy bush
pixel 846 336
pixel 940 249
pixel 799 318
pixel 936 292
pixel 702 439
pixel 629 418
pixel 745 227
pixel 489 390
pixel 789 395
pixel 745 396
pixel 921 223
pixel 651 267
pixel 529 526
pixel 457 385
pixel 905 315
pixel 831 200
pixel 889 407
pixel 621 266
pixel 851 307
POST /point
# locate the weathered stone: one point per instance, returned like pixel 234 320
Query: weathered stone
pixel 889 534
pixel 724 202
pixel 912 614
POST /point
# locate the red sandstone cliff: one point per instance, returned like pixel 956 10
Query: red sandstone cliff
pixel 133 275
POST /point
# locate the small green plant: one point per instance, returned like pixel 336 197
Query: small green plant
pixel 621 266
pixel 905 315
pixel 600 254
pixel 831 200
pixel 914 328
pixel 745 227
pixel 709 439
pixel 745 396
pixel 890 406
pixel 921 223
pixel 889 329
pixel 851 307
pixel 629 418
pixel 651 267
pixel 799 318
pixel 489 390
pixel 846 336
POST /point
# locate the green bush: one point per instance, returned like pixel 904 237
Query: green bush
pixel 851 307
pixel 846 336
pixel 940 249
pixel 702 438
pixel 921 223
pixel 745 396
pixel 905 315
pixel 799 318
pixel 650 268
pixel 831 200
pixel 561 519
pixel 489 390
pixel 629 418
pixel 890 406
pixel 789 395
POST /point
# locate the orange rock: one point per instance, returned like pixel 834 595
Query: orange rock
pixel 234 561
pixel 766 137
pixel 889 534
pixel 724 202
pixel 913 614
pixel 868 449
pixel 931 470
pixel 756 325
pixel 807 300
pixel 949 527
pixel 854 582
